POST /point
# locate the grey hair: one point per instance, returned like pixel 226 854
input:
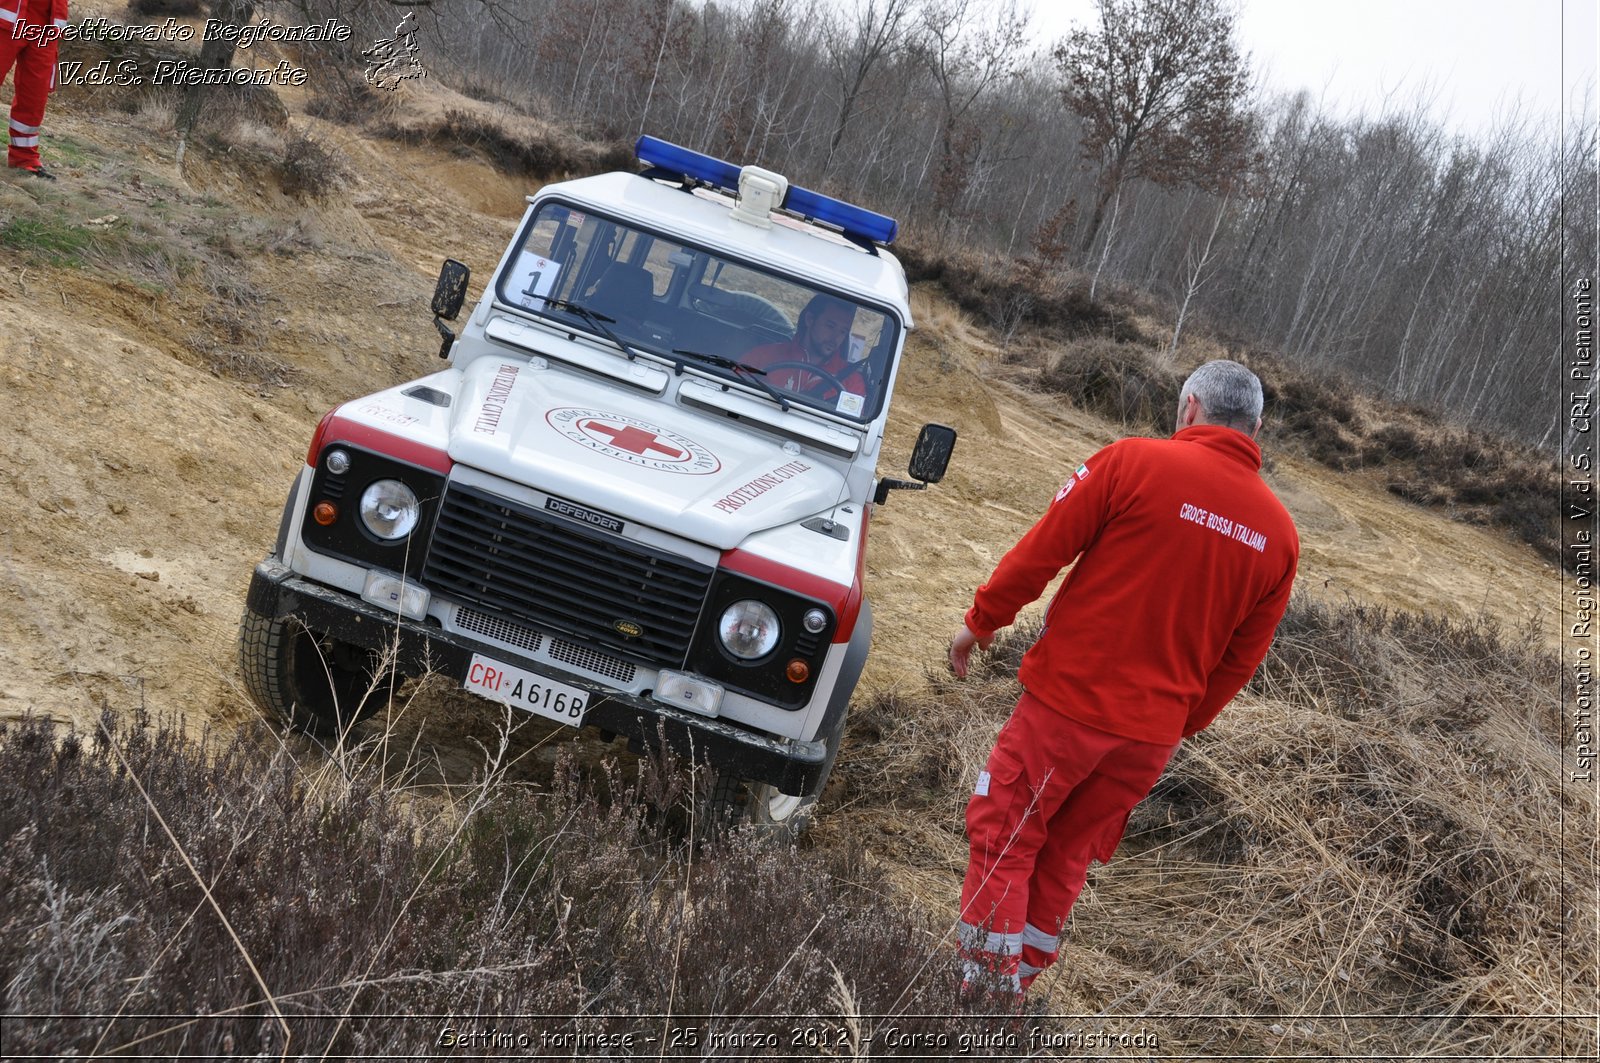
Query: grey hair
pixel 1229 394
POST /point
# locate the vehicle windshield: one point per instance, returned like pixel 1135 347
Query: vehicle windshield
pixel 813 346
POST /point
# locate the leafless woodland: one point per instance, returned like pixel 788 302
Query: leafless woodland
pixel 1423 262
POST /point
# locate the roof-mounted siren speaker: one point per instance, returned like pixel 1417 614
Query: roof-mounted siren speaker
pixel 760 193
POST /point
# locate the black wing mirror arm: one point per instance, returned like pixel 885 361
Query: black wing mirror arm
pixel 448 337
pixel 885 485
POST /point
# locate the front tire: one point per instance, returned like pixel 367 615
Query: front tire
pixel 312 683
pixel 737 802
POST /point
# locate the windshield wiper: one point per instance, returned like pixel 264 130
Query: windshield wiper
pixel 596 319
pixel 745 372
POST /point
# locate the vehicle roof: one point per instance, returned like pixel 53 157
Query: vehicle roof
pixel 706 218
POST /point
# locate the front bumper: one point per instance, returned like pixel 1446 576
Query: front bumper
pixel 792 766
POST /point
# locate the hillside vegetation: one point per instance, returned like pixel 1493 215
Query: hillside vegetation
pixel 1136 152
pixel 1372 853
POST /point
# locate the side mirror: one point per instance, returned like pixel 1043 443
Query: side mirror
pixel 930 459
pixel 931 455
pixel 451 292
pixel 448 296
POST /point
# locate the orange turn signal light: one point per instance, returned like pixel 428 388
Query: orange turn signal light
pixel 798 671
pixel 325 513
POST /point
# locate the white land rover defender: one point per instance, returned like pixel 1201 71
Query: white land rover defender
pixel 634 500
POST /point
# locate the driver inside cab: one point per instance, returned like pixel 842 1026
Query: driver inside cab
pixel 816 361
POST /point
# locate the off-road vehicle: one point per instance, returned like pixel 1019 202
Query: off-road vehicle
pixel 601 513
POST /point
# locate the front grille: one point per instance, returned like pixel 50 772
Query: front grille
pixel 562 577
pixel 570 653
pixel 494 627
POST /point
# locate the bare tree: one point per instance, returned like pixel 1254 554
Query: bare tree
pixel 1196 266
pixel 854 47
pixel 966 53
pixel 216 53
pixel 1161 91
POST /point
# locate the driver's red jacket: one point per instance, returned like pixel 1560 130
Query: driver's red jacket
pixel 1186 563
pixel 798 380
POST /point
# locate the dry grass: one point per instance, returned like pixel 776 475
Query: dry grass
pixel 1364 856
pixel 184 898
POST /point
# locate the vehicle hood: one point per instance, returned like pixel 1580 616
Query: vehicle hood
pixel 631 457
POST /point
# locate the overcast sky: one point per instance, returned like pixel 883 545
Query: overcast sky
pixel 1470 57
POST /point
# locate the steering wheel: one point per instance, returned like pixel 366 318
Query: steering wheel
pixel 815 371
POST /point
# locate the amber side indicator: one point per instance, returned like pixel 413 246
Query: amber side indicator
pixel 798 671
pixel 325 513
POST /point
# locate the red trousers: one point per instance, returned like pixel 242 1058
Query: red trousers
pixel 1054 795
pixel 35 78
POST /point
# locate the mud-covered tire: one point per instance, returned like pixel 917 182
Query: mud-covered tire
pixel 311 683
pixel 735 802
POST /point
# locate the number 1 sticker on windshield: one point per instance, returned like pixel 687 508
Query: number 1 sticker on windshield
pixel 532 279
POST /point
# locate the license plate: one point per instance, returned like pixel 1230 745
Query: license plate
pixel 525 690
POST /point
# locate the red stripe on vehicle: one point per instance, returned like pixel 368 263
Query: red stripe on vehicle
pixel 844 601
pixel 336 429
pixel 314 451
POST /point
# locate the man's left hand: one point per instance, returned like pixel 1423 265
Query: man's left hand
pixel 961 649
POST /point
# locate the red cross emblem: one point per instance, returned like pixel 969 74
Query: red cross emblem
pixel 633 440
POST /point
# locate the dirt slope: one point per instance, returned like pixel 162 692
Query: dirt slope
pixel 158 402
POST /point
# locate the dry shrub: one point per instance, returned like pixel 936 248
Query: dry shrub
pixel 1317 411
pixel 225 106
pixel 1373 831
pixel 1475 476
pixel 920 751
pixel 340 97
pixel 1486 479
pixel 232 340
pixel 540 153
pixel 248 364
pixel 1008 293
pixel 1122 382
pixel 361 902
pixel 150 9
pixel 1364 857
pixel 308 168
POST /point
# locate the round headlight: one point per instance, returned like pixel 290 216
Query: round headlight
pixel 389 509
pixel 748 629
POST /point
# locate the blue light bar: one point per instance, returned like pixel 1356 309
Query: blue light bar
pixel 854 220
pixel 652 151
pixel 857 222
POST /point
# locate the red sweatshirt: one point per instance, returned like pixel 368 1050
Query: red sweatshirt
pixel 1187 561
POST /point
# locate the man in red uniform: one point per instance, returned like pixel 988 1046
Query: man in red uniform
pixel 821 339
pixel 29 30
pixel 1184 563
